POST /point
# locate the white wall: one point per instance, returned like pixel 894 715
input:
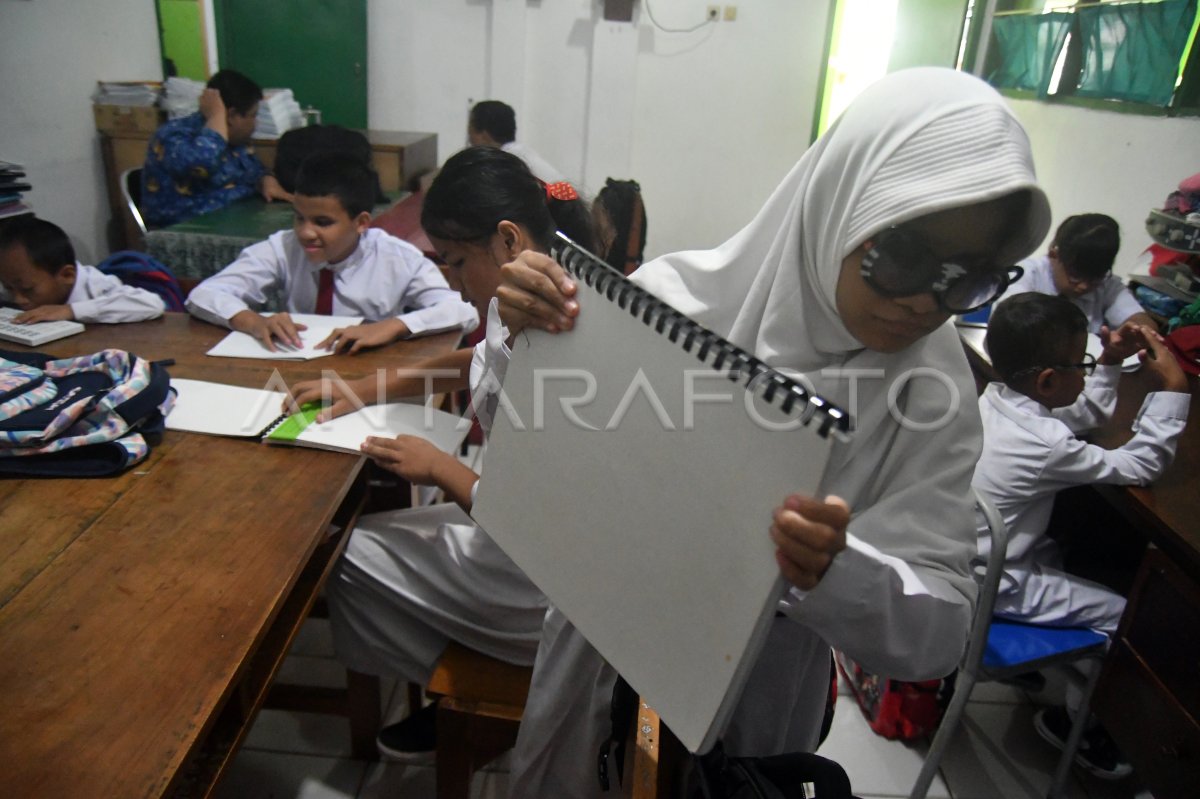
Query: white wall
pixel 1118 164
pixel 707 122
pixel 51 54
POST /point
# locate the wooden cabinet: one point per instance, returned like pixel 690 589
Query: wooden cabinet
pixel 400 157
pixel 1149 693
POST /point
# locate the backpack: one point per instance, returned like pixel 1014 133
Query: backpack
pixel 141 271
pixel 716 775
pixel 89 416
pixel 897 709
pixel 299 143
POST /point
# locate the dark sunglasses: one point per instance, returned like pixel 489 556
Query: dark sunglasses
pixel 898 263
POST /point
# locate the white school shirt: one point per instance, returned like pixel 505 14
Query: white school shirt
pixel 1110 303
pixel 540 167
pixel 97 297
pixel 1030 453
pixel 382 278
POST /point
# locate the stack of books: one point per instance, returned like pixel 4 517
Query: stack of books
pixel 12 187
pixel 181 96
pixel 133 94
pixel 278 112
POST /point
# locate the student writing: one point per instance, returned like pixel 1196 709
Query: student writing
pixel 411 581
pixel 1050 394
pixel 333 262
pixel 843 270
pixel 1078 266
pixel 39 274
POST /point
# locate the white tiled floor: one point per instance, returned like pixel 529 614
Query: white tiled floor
pixel 996 754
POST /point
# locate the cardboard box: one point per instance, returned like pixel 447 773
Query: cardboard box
pixel 114 118
pixel 117 119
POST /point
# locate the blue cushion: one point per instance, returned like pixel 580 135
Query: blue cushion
pixel 1012 643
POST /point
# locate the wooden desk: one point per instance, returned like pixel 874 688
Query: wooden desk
pixel 403 220
pixel 399 157
pixel 144 616
pixel 1148 696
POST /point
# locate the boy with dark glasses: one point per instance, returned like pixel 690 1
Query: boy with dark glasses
pixel 1050 393
pixel 1078 266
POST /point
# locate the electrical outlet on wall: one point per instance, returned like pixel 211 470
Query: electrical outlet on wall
pixel 713 13
pixel 730 13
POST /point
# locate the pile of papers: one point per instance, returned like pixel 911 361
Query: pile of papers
pixel 12 186
pixel 182 97
pixel 278 112
pixel 138 95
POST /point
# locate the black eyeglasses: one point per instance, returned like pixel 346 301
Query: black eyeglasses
pixel 1087 367
pixel 898 263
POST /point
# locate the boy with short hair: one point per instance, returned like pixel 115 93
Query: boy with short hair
pixel 1030 452
pixel 203 161
pixel 1078 266
pixel 333 262
pixel 39 275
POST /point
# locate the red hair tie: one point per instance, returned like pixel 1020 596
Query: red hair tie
pixel 561 191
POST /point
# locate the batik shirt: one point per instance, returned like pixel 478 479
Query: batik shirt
pixel 191 169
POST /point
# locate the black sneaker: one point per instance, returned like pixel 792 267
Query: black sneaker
pixel 1097 754
pixel 412 739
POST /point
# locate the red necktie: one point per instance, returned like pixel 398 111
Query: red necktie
pixel 325 292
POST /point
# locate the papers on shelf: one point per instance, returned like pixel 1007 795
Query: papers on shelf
pixel 277 113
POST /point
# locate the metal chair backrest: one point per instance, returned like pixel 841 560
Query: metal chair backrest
pixel 131 191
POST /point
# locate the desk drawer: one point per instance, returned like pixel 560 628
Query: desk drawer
pixel 1159 739
pixel 1163 629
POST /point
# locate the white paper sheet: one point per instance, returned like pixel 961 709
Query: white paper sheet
pixel 644 522
pixel 243 345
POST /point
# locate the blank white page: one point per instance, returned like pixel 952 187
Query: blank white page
pixel 651 537
pixel 218 409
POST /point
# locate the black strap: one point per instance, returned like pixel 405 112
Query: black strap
pixel 621 714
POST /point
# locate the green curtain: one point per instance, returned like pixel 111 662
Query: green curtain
pixel 1132 52
pixel 1028 47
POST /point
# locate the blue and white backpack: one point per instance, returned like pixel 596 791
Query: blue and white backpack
pixel 79 417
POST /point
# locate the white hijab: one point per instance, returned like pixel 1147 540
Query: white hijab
pixel 916 142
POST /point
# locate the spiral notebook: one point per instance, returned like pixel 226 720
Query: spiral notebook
pixel 632 469
pixel 218 409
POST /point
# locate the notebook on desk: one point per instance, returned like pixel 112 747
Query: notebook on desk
pixel 632 470
pixel 218 409
pixel 36 334
pixel 317 329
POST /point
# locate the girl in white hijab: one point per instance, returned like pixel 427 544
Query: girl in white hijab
pixel 913 206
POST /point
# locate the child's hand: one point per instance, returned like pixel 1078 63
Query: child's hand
pixel 1162 364
pixel 1128 339
pixel 346 396
pixel 809 534
pixel 272 189
pixel 535 291
pixel 413 458
pixel 211 105
pixel 45 313
pixel 268 328
pixel 358 337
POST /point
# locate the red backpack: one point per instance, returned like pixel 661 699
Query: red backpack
pixel 895 708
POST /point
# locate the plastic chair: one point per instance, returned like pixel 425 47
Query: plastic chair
pixel 1000 649
pixel 131 192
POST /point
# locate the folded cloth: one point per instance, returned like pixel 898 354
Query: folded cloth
pixel 1185 344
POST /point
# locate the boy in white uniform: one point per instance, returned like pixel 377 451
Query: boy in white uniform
pixel 39 274
pixel 1030 452
pixel 333 262
pixel 1079 267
